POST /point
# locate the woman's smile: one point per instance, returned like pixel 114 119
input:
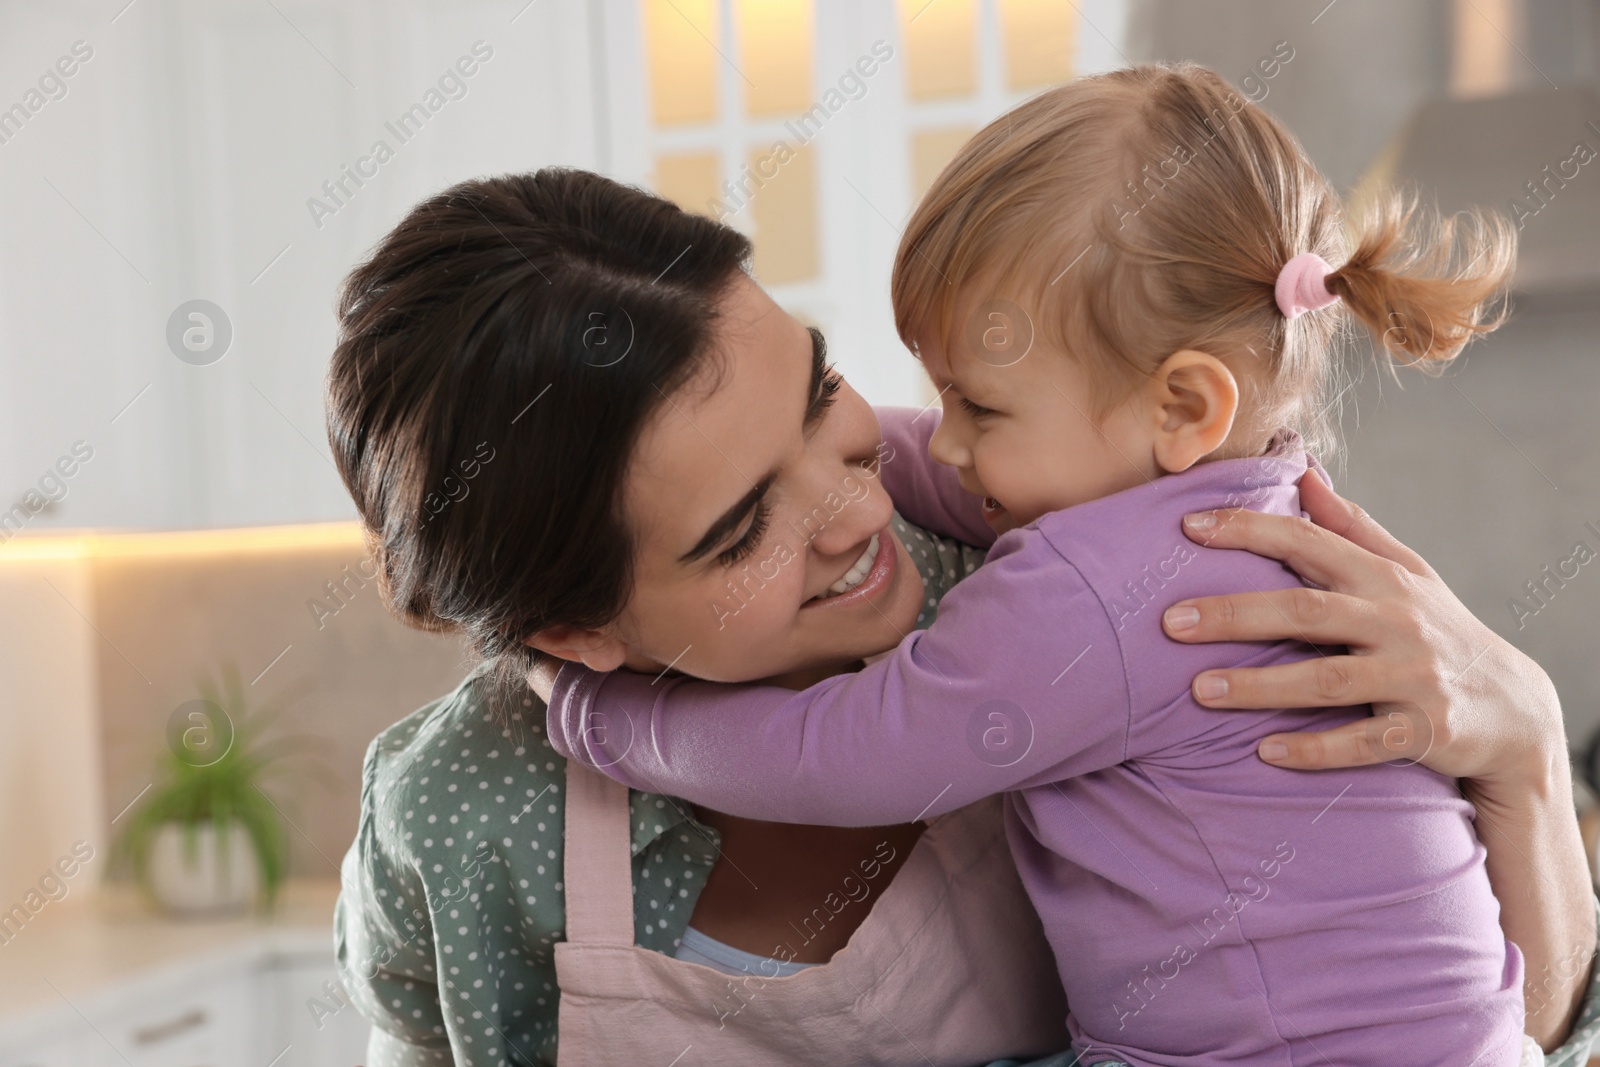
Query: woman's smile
pixel 781 561
pixel 872 574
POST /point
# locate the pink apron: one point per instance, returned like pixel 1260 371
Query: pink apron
pixel 950 967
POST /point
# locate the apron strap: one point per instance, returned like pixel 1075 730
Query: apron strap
pixel 598 867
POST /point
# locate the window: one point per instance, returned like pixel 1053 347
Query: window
pixel 814 125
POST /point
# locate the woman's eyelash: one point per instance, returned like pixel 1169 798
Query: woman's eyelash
pixel 752 537
pixel 974 410
pixel 827 392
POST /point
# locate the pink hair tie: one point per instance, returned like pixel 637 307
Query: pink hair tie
pixel 1302 285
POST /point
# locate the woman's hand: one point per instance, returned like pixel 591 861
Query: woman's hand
pixel 1445 690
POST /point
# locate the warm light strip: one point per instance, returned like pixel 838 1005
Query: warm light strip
pixel 83 545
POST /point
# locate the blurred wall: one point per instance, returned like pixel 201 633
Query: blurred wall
pixel 51 788
pixel 106 637
pixel 1358 69
pixel 1488 472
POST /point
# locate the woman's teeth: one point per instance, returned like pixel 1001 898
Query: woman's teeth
pixel 856 574
pixel 991 504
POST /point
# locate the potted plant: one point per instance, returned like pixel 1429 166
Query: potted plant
pixel 208 840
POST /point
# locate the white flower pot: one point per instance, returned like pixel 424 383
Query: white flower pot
pixel 200 883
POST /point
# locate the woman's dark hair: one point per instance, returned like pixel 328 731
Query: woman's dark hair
pixel 499 354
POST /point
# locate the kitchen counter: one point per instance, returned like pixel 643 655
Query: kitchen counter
pixel 103 979
pixel 85 943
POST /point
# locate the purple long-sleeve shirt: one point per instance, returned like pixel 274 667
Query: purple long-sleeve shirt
pixel 1204 907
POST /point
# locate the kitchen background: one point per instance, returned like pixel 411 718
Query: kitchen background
pixel 183 184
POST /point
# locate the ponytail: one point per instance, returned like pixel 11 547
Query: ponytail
pixel 1144 211
pixel 1425 284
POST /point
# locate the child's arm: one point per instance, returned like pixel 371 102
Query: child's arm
pixel 1019 682
pixel 926 493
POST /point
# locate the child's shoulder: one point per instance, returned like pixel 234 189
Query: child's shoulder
pixel 1131 553
pixel 1114 537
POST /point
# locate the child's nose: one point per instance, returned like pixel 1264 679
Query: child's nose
pixel 948 444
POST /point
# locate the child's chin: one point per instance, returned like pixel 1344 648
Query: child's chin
pixel 999 520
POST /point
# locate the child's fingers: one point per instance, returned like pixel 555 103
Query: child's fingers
pixel 1333 512
pixel 1297 614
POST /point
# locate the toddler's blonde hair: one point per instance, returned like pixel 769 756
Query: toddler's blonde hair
pixel 1148 210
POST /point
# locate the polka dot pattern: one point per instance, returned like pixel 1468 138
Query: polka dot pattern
pixel 941 561
pixel 452 901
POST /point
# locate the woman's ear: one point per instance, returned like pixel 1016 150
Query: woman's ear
pixel 595 649
pixel 1195 400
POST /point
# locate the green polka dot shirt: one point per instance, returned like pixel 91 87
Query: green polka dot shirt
pixel 452 901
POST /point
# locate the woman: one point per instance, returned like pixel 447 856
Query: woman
pixel 573 425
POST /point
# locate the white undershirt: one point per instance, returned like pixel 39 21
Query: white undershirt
pixel 696 947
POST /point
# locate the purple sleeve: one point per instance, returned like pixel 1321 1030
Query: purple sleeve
pixel 1018 683
pixel 926 493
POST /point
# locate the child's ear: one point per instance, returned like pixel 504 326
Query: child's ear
pixel 595 649
pixel 1195 399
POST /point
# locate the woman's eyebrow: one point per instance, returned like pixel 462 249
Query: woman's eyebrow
pixel 729 520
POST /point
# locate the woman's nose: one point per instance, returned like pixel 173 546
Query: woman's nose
pixel 845 513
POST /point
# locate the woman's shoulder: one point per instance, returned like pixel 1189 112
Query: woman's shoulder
pixel 460 766
pixel 464 807
pixel 454 880
pixel 941 561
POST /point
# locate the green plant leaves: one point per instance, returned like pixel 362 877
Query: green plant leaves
pixel 223 793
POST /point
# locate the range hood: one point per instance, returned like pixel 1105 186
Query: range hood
pixel 1532 154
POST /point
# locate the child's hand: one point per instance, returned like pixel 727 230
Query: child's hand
pixel 1446 690
pixel 542 676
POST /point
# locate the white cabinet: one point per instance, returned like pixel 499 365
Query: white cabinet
pixel 191 1023
pixel 246 1009
pixel 76 1050
pixel 185 164
pixel 315 1026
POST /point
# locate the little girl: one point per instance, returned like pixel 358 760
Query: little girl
pixel 1163 248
